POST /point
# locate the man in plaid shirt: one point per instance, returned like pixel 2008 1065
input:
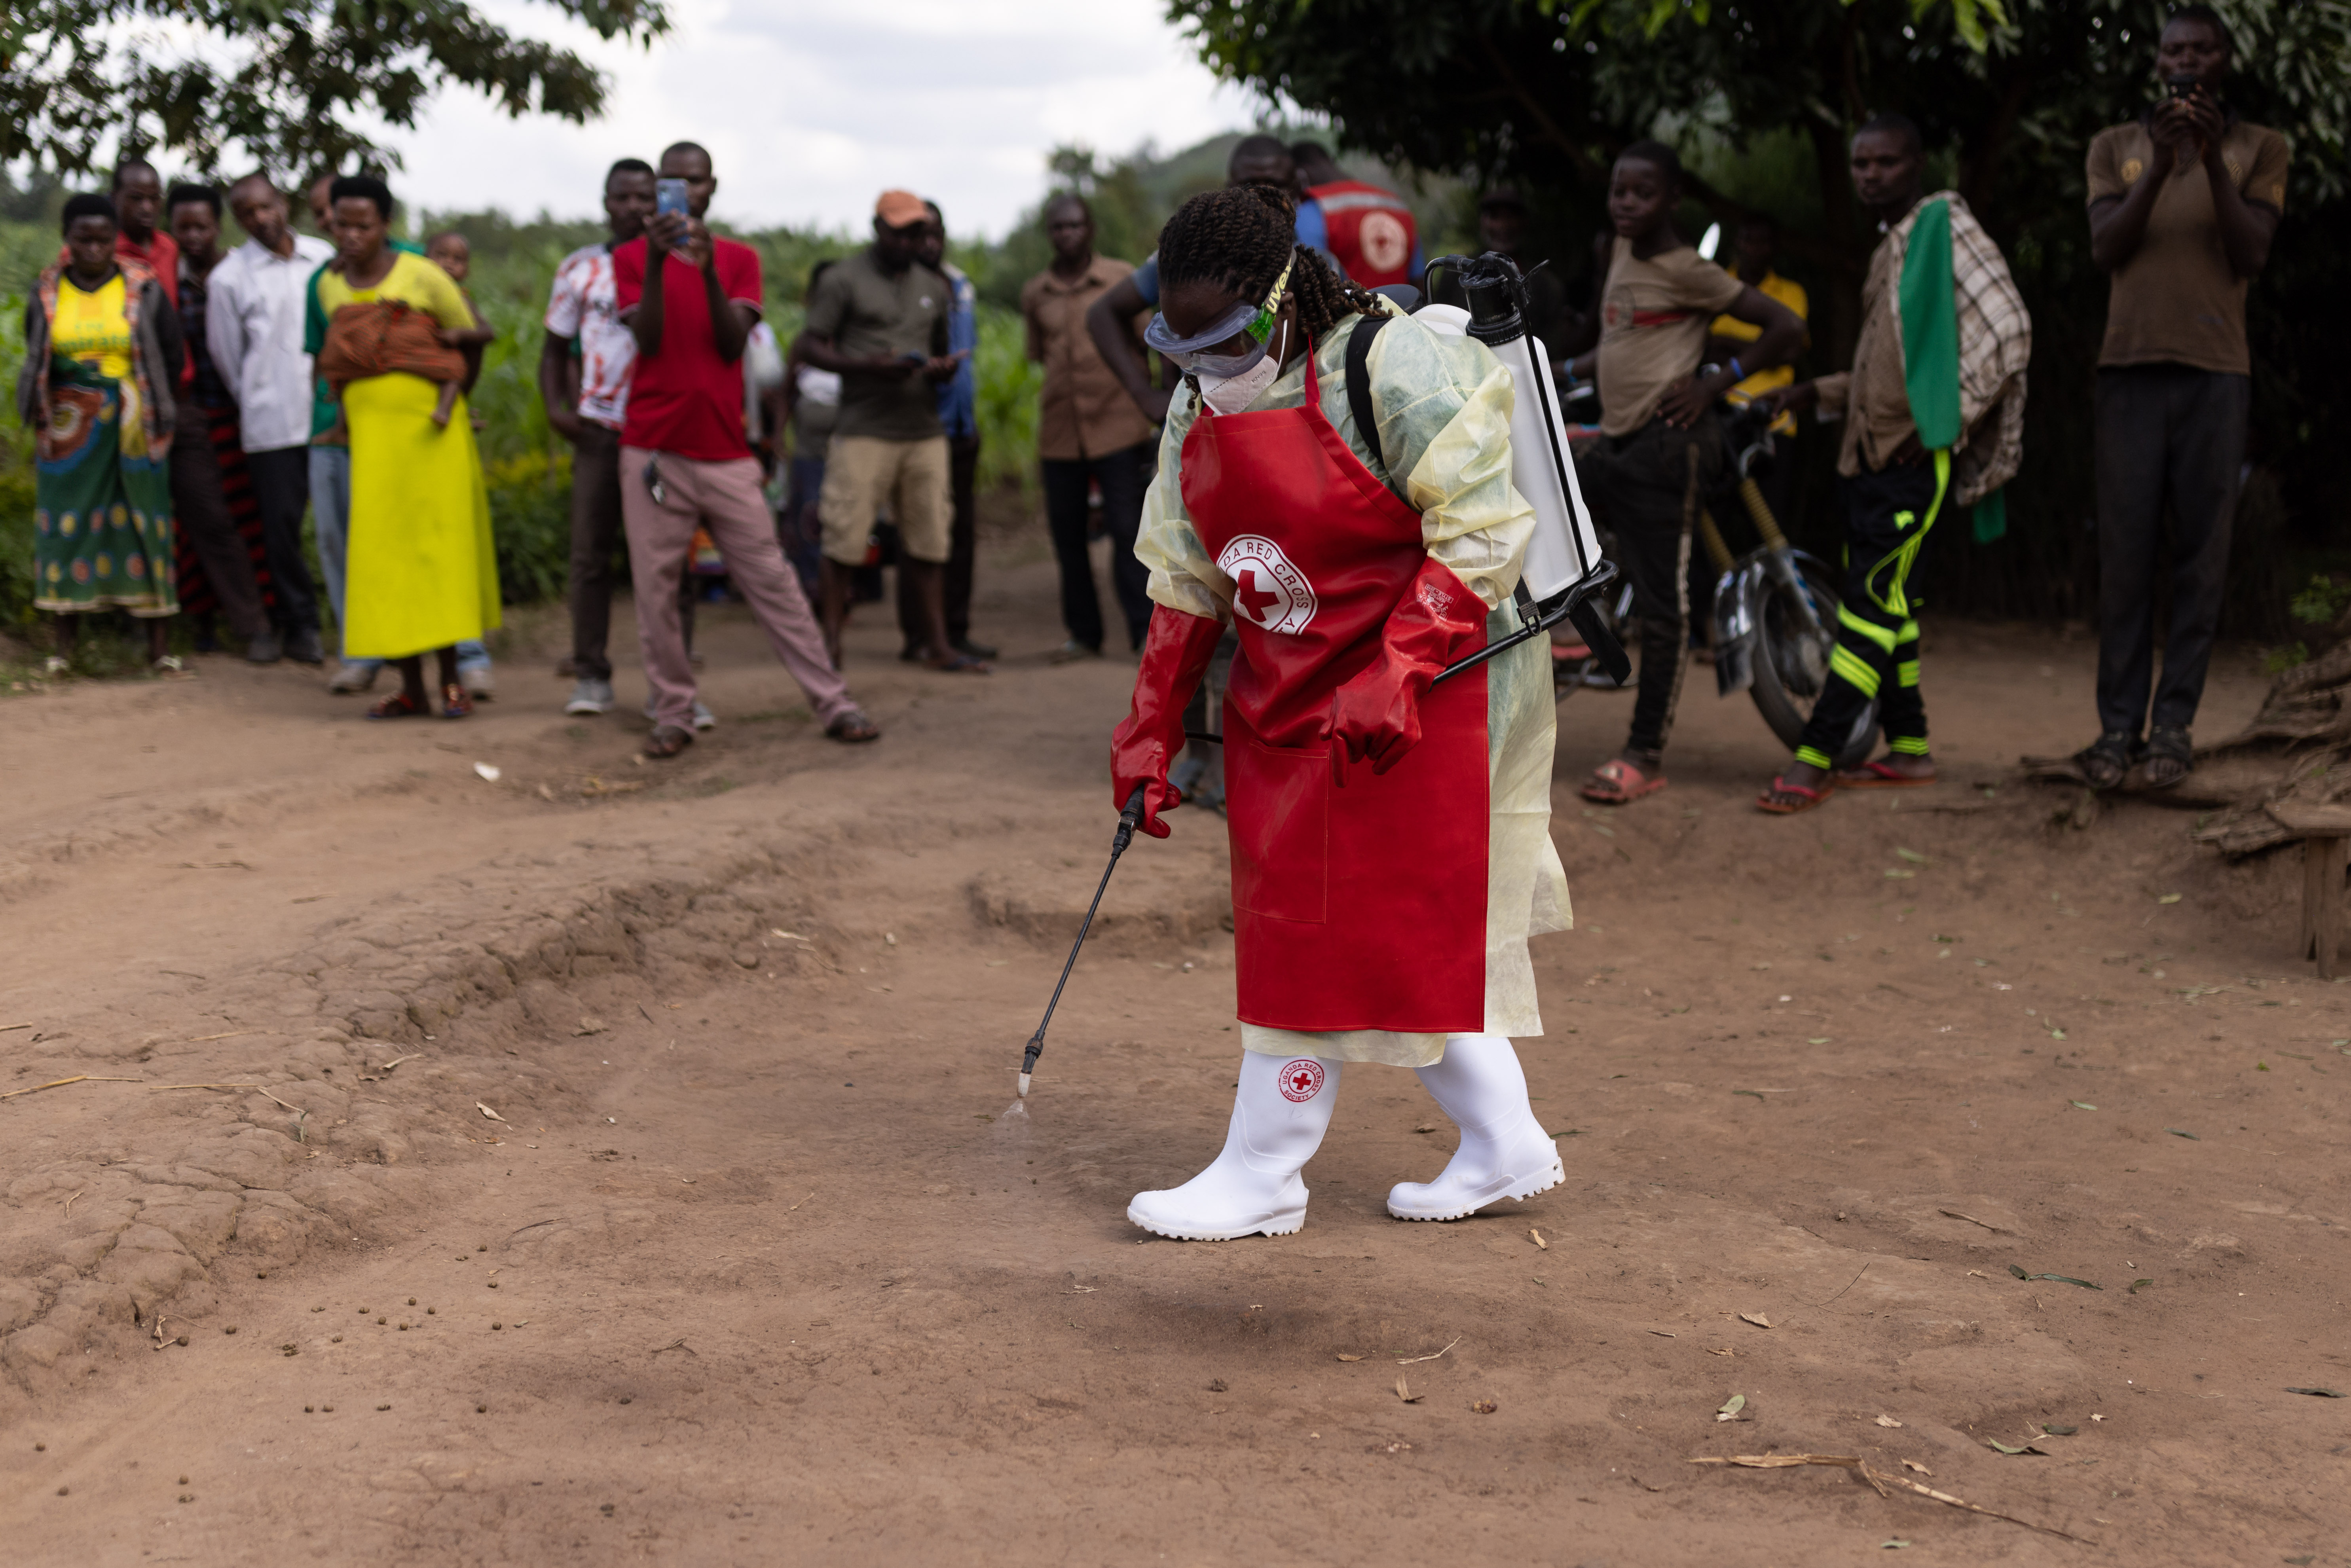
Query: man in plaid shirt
pixel 1934 413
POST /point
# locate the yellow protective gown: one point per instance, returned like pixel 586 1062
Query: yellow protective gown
pixel 1443 407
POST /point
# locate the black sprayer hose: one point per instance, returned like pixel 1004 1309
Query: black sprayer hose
pixel 1128 821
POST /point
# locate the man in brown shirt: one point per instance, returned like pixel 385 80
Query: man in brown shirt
pixel 1088 431
pixel 2184 201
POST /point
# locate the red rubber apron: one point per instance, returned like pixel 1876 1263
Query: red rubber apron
pixel 1354 907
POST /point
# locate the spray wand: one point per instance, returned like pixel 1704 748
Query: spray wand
pixel 1128 821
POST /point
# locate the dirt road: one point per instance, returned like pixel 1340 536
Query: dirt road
pixel 609 1163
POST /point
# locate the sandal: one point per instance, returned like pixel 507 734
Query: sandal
pixel 400 704
pixel 2107 759
pixel 1881 774
pixel 1805 799
pixel 455 703
pixel 959 664
pixel 667 740
pixel 1619 783
pixel 852 729
pixel 2170 757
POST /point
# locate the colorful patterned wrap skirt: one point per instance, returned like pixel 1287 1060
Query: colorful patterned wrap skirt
pixel 102 526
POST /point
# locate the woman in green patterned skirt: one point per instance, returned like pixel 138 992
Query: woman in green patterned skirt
pixel 102 356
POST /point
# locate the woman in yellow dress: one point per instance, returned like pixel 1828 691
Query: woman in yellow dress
pixel 103 355
pixel 421 572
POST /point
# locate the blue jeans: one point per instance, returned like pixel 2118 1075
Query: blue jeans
pixel 330 511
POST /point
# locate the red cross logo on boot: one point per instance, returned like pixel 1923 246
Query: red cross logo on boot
pixel 1302 1080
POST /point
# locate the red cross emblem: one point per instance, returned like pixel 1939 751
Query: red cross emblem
pixel 1269 591
pixel 1302 1080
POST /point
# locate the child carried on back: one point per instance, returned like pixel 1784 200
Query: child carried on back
pixel 383 336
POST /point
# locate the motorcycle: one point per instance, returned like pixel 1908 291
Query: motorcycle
pixel 1775 608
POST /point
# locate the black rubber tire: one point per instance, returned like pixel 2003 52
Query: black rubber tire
pixel 1788 675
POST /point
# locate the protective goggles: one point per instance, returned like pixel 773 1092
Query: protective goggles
pixel 1192 353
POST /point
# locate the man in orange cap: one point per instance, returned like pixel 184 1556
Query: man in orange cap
pixel 879 319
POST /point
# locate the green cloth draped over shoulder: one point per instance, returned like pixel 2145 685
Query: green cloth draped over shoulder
pixel 1927 303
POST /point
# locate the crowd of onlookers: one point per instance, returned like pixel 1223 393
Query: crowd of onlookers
pixel 193 402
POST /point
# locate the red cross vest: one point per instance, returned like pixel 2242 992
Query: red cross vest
pixel 1371 232
pixel 1361 906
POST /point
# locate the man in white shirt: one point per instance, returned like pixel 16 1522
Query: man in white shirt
pixel 584 367
pixel 253 328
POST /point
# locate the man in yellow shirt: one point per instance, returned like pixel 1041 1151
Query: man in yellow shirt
pixel 1755 246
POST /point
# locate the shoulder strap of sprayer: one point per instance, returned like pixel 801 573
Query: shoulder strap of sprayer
pixel 1359 388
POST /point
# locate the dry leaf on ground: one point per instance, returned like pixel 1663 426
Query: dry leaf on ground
pixel 1758 1319
pixel 1406 1395
pixel 1887 1421
pixel 485 1111
pixel 1538 1240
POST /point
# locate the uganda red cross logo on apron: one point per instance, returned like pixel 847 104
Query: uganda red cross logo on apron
pixel 1268 588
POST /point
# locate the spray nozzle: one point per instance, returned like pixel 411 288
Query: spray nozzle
pixel 1496 291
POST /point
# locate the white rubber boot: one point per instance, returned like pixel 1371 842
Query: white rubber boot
pixel 1504 1152
pixel 1253 1188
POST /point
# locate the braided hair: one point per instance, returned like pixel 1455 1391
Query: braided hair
pixel 1240 239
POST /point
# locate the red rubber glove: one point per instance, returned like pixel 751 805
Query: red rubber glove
pixel 1377 713
pixel 1176 654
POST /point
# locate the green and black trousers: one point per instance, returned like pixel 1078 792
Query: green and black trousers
pixel 1887 514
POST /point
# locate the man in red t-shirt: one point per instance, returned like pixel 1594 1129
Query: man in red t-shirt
pixel 686 460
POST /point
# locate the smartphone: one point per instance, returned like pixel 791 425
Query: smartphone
pixel 669 196
pixel 2181 86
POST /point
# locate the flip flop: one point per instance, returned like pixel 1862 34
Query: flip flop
pixel 667 740
pixel 400 704
pixel 852 729
pixel 1879 774
pixel 958 664
pixel 1619 783
pixel 1807 798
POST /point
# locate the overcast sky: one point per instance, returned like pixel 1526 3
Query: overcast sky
pixel 809 109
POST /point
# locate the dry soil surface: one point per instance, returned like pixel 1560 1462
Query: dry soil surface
pixel 609 1162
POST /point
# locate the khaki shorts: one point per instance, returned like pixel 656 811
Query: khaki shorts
pixel 863 474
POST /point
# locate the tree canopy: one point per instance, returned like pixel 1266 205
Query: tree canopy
pixel 2008 94
pixel 289 84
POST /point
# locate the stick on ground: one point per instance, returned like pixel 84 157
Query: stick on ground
pixel 1880 1481
pixel 61 1083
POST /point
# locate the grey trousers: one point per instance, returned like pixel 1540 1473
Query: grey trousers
pixel 2170 437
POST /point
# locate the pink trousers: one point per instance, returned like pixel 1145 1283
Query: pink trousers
pixel 725 498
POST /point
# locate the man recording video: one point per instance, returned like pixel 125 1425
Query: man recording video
pixel 2184 201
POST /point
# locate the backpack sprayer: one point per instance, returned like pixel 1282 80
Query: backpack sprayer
pixel 1565 568
pixel 1564 565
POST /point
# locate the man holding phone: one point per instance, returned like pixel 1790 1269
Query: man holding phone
pixel 690 299
pixel 2184 202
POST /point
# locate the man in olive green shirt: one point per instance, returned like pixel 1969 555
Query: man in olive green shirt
pixel 879 319
pixel 2184 201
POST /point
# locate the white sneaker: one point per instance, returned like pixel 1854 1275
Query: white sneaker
pixel 589 697
pixel 703 718
pixel 1253 1188
pixel 1504 1152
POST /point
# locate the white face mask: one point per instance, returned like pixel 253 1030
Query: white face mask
pixel 1231 394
